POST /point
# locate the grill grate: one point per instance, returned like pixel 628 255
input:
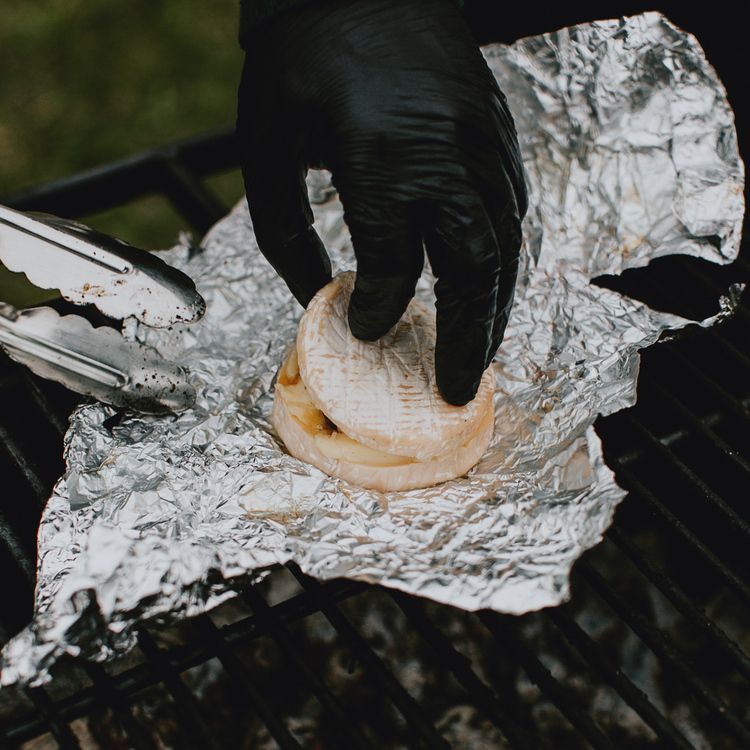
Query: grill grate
pixel 650 652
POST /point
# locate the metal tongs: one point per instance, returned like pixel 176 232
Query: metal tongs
pixel 89 267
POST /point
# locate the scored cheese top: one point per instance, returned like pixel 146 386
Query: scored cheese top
pixel 383 393
pixel 310 436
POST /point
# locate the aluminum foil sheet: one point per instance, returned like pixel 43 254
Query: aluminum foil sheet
pixel 631 154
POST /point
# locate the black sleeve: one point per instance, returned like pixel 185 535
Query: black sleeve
pixel 254 12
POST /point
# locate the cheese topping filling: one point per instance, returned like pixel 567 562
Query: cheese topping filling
pixel 384 393
pixel 328 439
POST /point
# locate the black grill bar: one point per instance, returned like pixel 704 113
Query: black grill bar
pixel 717 334
pixel 423 732
pixel 176 172
pixel 299 606
pixel 482 696
pixel 734 519
pixel 505 635
pixel 17 551
pixel 60 730
pixel 630 482
pixel 697 274
pixel 30 473
pixel 629 692
pixel 681 601
pixel 109 697
pixel 56 420
pixel 734 405
pixel 166 666
pixel 199 735
pixel 732 348
pixel 698 425
pixel 127 180
pixel 198 205
pixel 286 642
pixel 664 650
pixel 245 680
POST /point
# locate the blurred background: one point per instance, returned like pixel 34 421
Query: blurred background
pixel 87 82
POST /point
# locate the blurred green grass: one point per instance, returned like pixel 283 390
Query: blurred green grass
pixel 85 83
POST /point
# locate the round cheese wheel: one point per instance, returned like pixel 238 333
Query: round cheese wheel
pixel 383 393
pixel 310 436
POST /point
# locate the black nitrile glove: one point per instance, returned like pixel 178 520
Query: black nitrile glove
pixel 396 100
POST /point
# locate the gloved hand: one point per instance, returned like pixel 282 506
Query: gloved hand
pixel 397 101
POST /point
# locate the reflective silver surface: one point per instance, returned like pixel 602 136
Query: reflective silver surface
pixel 96 362
pixel 89 267
pixel 631 154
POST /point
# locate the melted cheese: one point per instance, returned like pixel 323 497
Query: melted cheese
pixel 383 393
pixel 310 436
pixel 323 432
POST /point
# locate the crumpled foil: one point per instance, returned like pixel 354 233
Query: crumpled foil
pixel 631 154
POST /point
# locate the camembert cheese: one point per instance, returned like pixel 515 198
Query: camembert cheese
pixel 413 438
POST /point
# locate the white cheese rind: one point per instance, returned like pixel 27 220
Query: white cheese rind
pixel 302 428
pixel 383 393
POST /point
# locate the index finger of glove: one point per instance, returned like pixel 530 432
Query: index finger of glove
pixel 388 247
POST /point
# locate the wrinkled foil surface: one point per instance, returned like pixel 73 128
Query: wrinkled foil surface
pixel 631 154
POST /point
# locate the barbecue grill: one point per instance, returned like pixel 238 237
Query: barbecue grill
pixel 651 651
